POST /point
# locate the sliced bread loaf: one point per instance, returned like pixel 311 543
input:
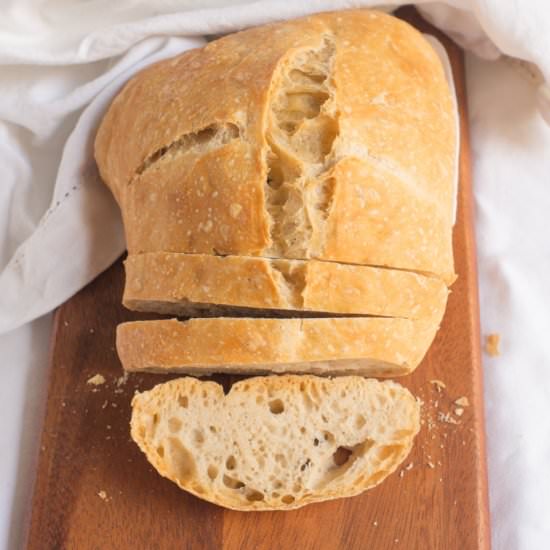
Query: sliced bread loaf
pixel 275 443
pixel 181 283
pixel 370 346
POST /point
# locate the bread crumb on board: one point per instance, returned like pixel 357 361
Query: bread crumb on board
pixel 406 468
pixel 492 344
pixel 439 385
pixel 96 380
pixel 446 417
pixel 121 381
pixel 103 495
pixel 462 402
pixel 457 407
pixel 434 413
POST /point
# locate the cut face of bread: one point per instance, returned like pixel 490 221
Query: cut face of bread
pixel 275 443
pixel 184 284
pixel 369 346
pixel 334 141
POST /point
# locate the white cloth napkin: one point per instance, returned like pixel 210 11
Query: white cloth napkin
pixel 62 62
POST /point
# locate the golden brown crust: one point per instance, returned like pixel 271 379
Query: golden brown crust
pixel 377 217
pixel 363 345
pixel 180 280
pixel 218 113
pixel 206 206
pixel 397 107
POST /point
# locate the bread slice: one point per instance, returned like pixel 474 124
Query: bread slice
pixel 335 141
pixel 181 283
pixel 275 443
pixel 370 346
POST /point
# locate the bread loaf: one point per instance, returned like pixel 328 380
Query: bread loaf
pixel 193 284
pixel 304 170
pixel 335 140
pixel 369 346
pixel 275 443
pixel 313 178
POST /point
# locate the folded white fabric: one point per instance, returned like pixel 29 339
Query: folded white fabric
pixel 80 233
pixel 62 62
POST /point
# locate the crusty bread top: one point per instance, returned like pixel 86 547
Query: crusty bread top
pixel 334 140
pixel 176 283
pixel 371 346
pixel 275 443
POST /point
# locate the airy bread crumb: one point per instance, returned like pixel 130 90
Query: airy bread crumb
pixel 275 442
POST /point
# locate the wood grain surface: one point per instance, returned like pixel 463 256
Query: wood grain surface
pixel 95 490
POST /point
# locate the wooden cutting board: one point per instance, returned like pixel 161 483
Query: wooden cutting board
pixel 95 490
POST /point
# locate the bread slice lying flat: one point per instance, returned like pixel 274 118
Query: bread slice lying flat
pixel 181 283
pixel 275 443
pixel 370 346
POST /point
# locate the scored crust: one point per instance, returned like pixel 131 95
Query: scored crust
pixel 275 443
pixel 370 346
pixel 180 283
pixel 335 141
